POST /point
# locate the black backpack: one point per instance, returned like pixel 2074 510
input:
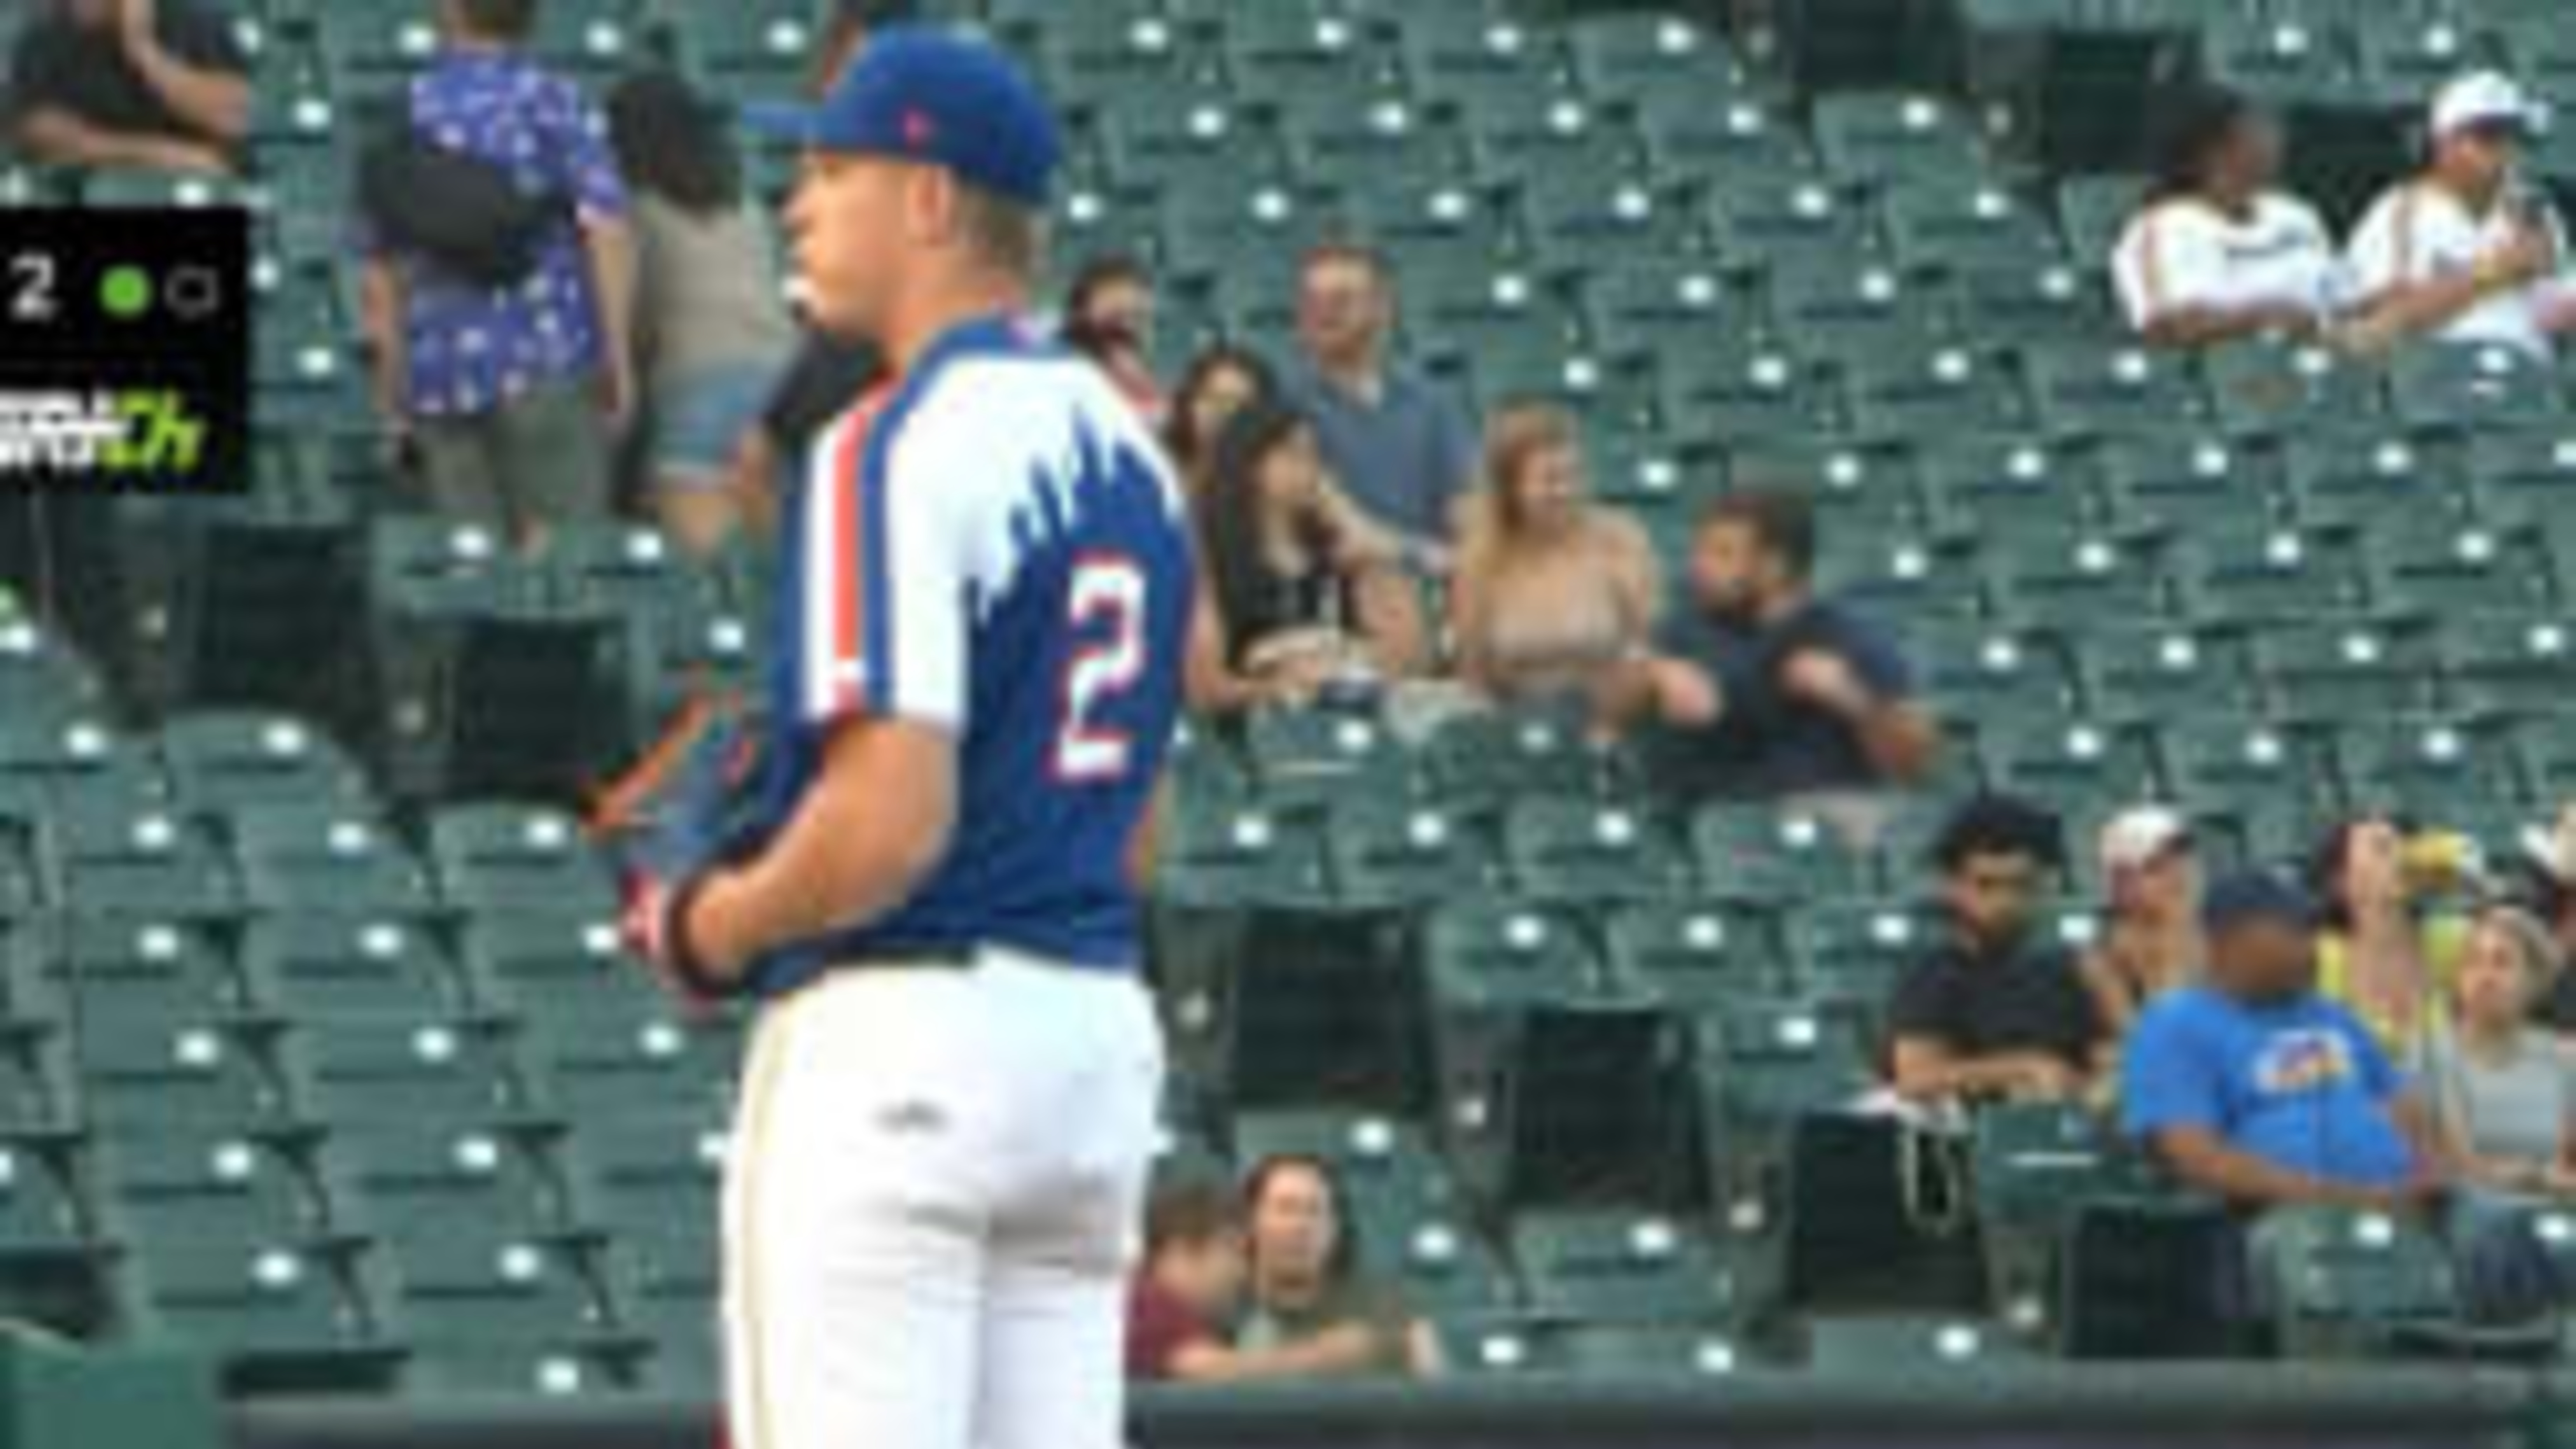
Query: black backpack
pixel 467 216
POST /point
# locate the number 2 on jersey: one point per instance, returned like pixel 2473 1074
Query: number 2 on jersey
pixel 1106 605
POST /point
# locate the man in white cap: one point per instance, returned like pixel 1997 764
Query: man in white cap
pixel 2460 253
pixel 2549 859
pixel 2151 940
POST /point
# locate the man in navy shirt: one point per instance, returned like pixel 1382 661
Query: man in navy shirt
pixel 1763 690
pixel 156 84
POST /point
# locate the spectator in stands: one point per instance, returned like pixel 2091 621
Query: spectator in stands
pixel 1189 1289
pixel 1764 690
pixel 2549 869
pixel 2385 953
pixel 1220 382
pixel 1109 317
pixel 2218 252
pixel 1997 1010
pixel 1307 1290
pixel 711 328
pixel 2150 942
pixel 2253 1086
pixel 2463 252
pixel 1403 448
pixel 827 374
pixel 1551 590
pixel 1298 590
pixel 151 84
pixel 511 394
pixel 2507 1089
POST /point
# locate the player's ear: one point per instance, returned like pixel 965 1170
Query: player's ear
pixel 930 206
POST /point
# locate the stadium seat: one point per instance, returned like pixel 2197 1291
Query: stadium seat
pixel 524 1318
pixel 2186 483
pixel 405 1184
pixel 503 856
pixel 639 1052
pixel 1691 957
pixel 282 1317
pixel 1574 852
pixel 321 967
pixel 2260 388
pixel 312 856
pixel 1305 759
pixel 1478 762
pixel 1391 851
pixel 1603 1266
pixel 2354 1284
pixel 2078 582
pixel 2347 478
pixel 1756 855
pixel 2213 762
pixel 2521 666
pixel 2285 576
pixel 2327 673
pixel 371 1073
pixel 2091 391
pixel 2424 577
pixel 163 1188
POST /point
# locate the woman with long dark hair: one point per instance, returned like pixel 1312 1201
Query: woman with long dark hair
pixel 1306 1284
pixel 711 328
pixel 1296 588
pixel 2217 253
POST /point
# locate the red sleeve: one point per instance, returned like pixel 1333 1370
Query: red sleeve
pixel 1159 1326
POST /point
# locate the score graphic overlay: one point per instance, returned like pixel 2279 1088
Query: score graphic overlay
pixel 124 350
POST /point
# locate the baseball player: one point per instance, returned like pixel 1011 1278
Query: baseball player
pixel 950 1099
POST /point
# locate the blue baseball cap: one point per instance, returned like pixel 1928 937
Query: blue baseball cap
pixel 918 93
pixel 2249 897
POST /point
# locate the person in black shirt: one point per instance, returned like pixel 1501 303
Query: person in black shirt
pixel 151 84
pixel 1994 1011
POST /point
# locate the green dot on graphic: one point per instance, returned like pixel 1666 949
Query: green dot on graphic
pixel 125 292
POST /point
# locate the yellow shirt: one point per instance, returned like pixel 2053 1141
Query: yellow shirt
pixel 2443 938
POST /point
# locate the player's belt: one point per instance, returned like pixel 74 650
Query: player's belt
pixel 908 958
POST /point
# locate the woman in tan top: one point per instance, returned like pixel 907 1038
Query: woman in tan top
pixel 1551 589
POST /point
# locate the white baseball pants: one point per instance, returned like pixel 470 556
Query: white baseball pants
pixel 932 1201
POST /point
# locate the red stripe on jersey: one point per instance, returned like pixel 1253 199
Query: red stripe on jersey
pixel 846 517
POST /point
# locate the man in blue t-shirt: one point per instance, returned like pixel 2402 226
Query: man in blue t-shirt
pixel 2254 1087
pixel 1763 690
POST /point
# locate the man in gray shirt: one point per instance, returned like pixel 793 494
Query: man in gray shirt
pixel 1401 448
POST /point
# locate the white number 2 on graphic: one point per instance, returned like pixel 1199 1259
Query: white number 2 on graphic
pixel 1107 604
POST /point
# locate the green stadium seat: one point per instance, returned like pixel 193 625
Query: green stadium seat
pixel 2212 763
pixel 2094 211
pixel 643 1052
pixel 2328 673
pixel 2467 388
pixel 406 1184
pixel 221 760
pixel 2288 575
pixel 2075 584
pixel 2185 483
pixel 1393 851
pixel 116 862
pixel 179 1070
pixel 1761 856
pixel 1481 761
pixel 1879 139
pixel 282 1317
pixel 161 1187
pixel 1493 956
pixel 2351 479
pixel 1907 578
pixel 2418 576
pixel 1306 759
pixel 2024 307
pixel 1482 65
pixel 363 1074
pixel 1788 215
pixel 1691 957
pixel 1612 1265
pixel 1935 225
pixel 312 856
pixel 536 964
pixel 2282 61
pixel 1845 314
pixel 2521 666
pixel 507 856
pixel 2004 491
pixel 1646 1352
pixel 2091 391
pixel 1577 853
pixel 2035 1165
pixel 139 965
pixel 1741 391
pixel 2069 760
pixel 1855 1346
pixel 1762 1067
pixel 44 677
pixel 1848 956
pixel 1718 146
pixel 42 1217
pixel 319 967
pixel 2348 1284
pixel 1293 1006
pixel 1856 490
pixel 1240 855
pixel 651 1174
pixel 2524 477
pixel 1909 392
pixel 2432 767
pixel 1979 671
pixel 521 1318
pixel 2262 388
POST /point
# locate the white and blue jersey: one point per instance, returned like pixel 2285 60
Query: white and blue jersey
pixel 992 546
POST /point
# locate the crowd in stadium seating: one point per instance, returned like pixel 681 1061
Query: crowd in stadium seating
pixel 2456 254
pixel 1360 539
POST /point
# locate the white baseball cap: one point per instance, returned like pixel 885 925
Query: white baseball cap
pixel 2552 848
pixel 2141 836
pixel 2486 98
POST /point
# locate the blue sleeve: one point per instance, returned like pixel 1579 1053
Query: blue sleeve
pixel 2165 1079
pixel 1881 665
pixel 589 168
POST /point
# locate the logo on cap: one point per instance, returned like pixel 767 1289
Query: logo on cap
pixel 918 130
